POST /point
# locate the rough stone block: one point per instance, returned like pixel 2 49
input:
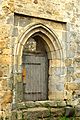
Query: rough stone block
pixel 77 118
pixel 78 48
pixel 70 70
pixel 14 115
pixel 7 98
pixel 36 113
pixel 15 32
pixel 21 20
pixel 6 51
pixel 68 62
pixel 77 110
pixel 2 44
pixel 72 86
pixel 10 19
pixel 55 112
pixel 56 95
pixel 60 86
pixel 5 59
pixel 19 115
pixel 59 70
pixel 19 91
pixel 70 54
pixel 56 63
pixel 1 73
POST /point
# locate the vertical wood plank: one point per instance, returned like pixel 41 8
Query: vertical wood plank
pixel 36 77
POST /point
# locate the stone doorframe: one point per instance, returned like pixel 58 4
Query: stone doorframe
pixel 53 48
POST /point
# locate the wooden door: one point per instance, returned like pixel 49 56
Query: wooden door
pixel 36 66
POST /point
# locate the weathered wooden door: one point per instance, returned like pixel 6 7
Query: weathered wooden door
pixel 36 84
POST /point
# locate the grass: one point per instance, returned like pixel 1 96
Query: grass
pixel 66 118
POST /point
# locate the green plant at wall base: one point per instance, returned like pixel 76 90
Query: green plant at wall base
pixel 66 118
pixel 16 115
pixel 23 116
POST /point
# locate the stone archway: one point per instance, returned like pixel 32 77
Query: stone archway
pixel 54 51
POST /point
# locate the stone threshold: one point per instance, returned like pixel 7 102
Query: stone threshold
pixel 33 104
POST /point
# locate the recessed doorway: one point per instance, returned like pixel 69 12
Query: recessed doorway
pixel 35 69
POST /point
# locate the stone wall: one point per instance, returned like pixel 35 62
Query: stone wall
pixel 61 16
pixel 6 26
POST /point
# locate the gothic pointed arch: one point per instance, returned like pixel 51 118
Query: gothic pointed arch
pixel 51 40
pixel 52 45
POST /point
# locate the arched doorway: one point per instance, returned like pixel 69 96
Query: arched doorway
pixel 50 49
pixel 35 69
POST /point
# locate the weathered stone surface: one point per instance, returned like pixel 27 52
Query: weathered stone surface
pixel 55 112
pixel 70 70
pixel 60 86
pixel 14 115
pixel 46 104
pixel 36 113
pixel 77 111
pixel 22 20
pixel 19 91
pixel 62 18
pixel 3 85
pixel 68 62
pixel 5 59
pixel 56 63
pixel 72 86
pixel 58 70
pixel 6 51
pixel 1 73
pixel 15 32
pixel 56 95
pixel 77 118
pixel 7 98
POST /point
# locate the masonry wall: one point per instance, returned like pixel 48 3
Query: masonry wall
pixel 62 11
pixel 6 26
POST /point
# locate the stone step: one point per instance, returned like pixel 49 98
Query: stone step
pixel 42 113
pixel 31 114
pixel 35 113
